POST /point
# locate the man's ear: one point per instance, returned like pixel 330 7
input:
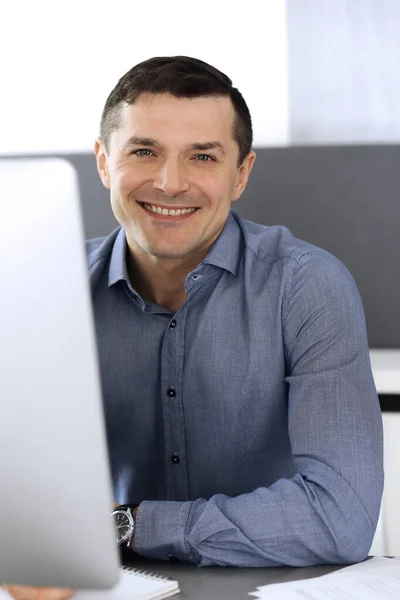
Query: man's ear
pixel 101 159
pixel 243 175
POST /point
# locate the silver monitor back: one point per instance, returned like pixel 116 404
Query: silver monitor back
pixel 55 485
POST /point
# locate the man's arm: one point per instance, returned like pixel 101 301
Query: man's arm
pixel 326 513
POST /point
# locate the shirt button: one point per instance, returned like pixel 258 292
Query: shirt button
pixel 172 558
pixel 172 325
pixel 171 392
pixel 175 459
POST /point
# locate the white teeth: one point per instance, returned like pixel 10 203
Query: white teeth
pixel 171 212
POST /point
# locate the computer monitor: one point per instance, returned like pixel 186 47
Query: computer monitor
pixel 55 484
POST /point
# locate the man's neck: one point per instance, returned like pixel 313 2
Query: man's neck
pixel 160 280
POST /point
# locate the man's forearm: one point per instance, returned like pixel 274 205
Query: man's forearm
pixel 295 522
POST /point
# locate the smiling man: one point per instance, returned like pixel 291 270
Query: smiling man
pixel 243 423
pixel 242 417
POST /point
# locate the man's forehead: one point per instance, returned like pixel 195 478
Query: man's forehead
pixel 204 113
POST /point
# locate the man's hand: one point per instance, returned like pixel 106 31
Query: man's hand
pixel 25 592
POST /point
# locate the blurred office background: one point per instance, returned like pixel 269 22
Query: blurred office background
pixel 321 81
pixel 313 72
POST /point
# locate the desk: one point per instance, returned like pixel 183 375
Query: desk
pixel 224 583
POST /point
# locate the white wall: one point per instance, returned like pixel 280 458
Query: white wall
pixel 344 62
pixel 391 495
pixel 61 60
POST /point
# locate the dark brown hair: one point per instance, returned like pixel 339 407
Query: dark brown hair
pixel 182 77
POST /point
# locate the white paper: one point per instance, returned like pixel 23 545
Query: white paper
pixel 375 579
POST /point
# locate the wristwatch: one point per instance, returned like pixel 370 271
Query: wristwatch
pixel 124 523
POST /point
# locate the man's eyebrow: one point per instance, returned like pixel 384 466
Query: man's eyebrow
pixel 208 146
pixel 200 146
pixel 140 141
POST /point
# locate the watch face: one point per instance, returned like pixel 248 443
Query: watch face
pixel 122 525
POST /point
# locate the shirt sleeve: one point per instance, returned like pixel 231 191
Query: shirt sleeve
pixel 327 512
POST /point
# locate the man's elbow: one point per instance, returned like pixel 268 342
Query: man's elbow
pixel 354 527
pixel 354 546
pixel 354 553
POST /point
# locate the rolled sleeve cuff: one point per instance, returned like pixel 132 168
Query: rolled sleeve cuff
pixel 160 531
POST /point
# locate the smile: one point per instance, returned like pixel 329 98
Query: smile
pixel 171 212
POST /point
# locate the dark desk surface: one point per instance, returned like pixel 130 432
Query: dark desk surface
pixel 225 583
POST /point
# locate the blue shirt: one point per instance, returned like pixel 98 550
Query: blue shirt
pixel 247 423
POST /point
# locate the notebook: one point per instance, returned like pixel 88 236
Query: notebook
pixel 133 585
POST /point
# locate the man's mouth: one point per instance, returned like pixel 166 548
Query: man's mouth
pixel 167 212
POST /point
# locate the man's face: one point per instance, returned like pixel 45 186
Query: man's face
pixel 172 172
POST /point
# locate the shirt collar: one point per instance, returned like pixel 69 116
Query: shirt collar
pixel 118 270
pixel 224 253
pixel 226 250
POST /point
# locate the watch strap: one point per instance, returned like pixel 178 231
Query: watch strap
pixel 126 506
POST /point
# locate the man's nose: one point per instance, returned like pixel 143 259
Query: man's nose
pixel 172 179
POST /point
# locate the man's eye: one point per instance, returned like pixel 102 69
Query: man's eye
pixel 204 157
pixel 142 152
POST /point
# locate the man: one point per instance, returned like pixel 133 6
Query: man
pixel 242 417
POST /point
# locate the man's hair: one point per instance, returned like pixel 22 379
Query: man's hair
pixel 182 77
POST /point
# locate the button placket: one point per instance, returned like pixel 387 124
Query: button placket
pixel 175 458
pixel 172 361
